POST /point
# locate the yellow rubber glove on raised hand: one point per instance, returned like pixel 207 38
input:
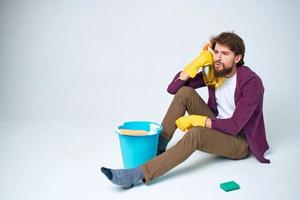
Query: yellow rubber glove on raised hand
pixel 203 59
pixel 185 123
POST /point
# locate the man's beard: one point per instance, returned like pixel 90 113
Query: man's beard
pixel 225 71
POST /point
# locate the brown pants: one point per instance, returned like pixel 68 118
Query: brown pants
pixel 197 138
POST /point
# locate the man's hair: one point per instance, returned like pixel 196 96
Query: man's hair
pixel 231 40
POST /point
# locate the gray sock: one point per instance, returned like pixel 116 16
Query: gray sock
pixel 125 178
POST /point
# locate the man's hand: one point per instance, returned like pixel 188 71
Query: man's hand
pixel 198 120
pixel 185 123
pixel 203 59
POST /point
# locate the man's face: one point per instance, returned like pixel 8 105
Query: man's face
pixel 224 60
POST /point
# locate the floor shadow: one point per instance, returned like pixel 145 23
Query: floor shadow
pixel 119 189
pixel 203 162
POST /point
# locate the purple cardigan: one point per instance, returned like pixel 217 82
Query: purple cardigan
pixel 248 114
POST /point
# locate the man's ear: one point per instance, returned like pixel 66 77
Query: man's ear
pixel 238 58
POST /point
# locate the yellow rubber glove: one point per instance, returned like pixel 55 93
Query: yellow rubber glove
pixel 184 123
pixel 203 59
pixel 198 120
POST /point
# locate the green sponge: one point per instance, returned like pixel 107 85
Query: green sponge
pixel 229 186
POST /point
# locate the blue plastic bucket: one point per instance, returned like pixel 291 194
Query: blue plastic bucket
pixel 138 149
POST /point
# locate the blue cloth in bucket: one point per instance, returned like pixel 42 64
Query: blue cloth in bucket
pixel 138 149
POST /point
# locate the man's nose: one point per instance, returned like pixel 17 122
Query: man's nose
pixel 217 57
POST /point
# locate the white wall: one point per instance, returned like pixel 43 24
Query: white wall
pixel 110 61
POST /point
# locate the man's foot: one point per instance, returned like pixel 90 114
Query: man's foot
pixel 125 178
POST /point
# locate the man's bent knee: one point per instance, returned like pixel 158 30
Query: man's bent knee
pixel 185 91
pixel 197 135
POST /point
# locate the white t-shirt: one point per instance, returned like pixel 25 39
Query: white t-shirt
pixel 225 98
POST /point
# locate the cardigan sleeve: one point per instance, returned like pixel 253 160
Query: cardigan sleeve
pixel 177 83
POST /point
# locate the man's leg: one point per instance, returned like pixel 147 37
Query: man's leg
pixel 125 178
pixel 204 139
pixel 198 138
pixel 186 99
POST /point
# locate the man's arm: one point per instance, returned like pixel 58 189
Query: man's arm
pixel 252 96
pixel 183 76
pixel 182 79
